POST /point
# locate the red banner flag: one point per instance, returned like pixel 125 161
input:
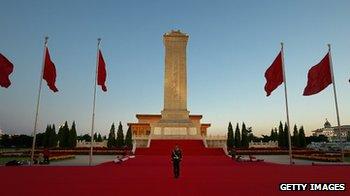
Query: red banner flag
pixel 49 71
pixel 6 68
pixel 101 72
pixel 274 75
pixel 319 77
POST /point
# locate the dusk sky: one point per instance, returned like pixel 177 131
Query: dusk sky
pixel 231 45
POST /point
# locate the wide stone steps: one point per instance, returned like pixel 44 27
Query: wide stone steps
pixel 188 147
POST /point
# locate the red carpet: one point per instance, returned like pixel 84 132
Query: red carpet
pixel 152 175
pixel 203 172
pixel 188 147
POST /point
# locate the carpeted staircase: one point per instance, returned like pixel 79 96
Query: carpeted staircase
pixel 188 147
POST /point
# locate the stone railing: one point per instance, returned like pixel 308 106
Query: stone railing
pixel 216 141
pixel 140 137
pixel 177 137
pixel 261 144
pixel 140 141
pixel 216 137
pixel 85 144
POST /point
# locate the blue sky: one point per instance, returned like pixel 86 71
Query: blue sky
pixel 231 45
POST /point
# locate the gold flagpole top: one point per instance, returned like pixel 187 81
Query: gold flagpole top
pixel 329 47
pixel 98 41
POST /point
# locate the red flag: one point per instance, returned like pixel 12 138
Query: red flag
pixel 101 72
pixel 49 71
pixel 6 68
pixel 274 75
pixel 319 77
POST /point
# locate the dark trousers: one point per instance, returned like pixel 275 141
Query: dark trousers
pixel 46 160
pixel 176 167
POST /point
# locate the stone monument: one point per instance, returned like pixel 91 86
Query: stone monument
pixel 175 119
pixel 175 78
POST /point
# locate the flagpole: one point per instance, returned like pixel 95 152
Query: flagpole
pixel 336 102
pixel 287 111
pixel 38 104
pixel 93 106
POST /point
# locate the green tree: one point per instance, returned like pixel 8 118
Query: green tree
pixel 230 139
pixel 320 138
pixel 264 138
pixel 47 136
pixel 111 137
pixel 53 137
pixel 50 138
pixel 237 135
pixel 276 135
pixel 73 136
pixel 272 135
pixel 280 136
pixel 128 138
pixel 95 137
pixel 295 141
pixel 40 139
pixel 99 138
pixel 64 136
pixel 59 136
pixel 245 142
pixel 285 138
pixel 5 141
pixel 302 141
pixel 85 137
pixel 22 141
pixel 120 136
pixel 250 135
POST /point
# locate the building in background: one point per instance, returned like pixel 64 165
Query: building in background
pixel 333 132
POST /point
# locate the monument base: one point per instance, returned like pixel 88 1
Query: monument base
pixel 176 130
pixel 153 126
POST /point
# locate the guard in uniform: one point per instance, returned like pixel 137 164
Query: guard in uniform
pixel 46 156
pixel 176 157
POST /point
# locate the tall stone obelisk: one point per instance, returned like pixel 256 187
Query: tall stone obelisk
pixel 175 119
pixel 175 78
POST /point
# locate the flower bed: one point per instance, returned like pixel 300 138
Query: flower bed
pixel 98 151
pixel 61 157
pixel 271 151
pixel 319 157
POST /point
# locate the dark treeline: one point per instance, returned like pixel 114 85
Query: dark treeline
pixel 66 138
pixel 298 138
pixel 19 141
pixel 118 141
pixel 87 137
pixel 241 139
